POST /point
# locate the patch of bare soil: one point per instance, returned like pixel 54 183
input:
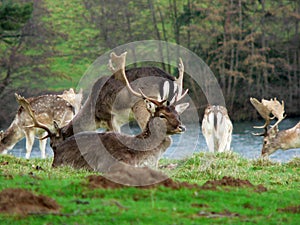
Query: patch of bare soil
pixel 148 178
pixel 23 202
pixel 290 209
pixel 224 213
pixel 98 181
pixel 141 177
pixel 231 182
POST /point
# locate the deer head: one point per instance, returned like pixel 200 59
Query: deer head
pixel 269 110
pixel 73 98
pixel 157 108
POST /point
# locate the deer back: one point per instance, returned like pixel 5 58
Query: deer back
pixel 47 108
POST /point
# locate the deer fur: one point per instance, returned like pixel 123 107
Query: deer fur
pixel 106 148
pixel 217 128
pixel 47 108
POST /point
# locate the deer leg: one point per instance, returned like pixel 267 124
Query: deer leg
pixel 42 144
pixel 29 134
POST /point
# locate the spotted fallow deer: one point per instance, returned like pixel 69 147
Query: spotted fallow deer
pixel 217 128
pixel 99 151
pixel 273 138
pixel 47 108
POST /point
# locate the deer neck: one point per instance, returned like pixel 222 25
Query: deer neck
pixel 288 139
pixel 155 128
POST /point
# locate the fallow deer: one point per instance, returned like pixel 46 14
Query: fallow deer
pixel 99 151
pixel 110 103
pixel 47 108
pixel 273 138
pixel 217 128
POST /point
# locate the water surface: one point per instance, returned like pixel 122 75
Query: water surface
pixel 184 145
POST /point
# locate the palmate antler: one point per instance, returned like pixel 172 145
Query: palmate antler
pixel 266 108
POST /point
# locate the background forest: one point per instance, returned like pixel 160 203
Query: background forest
pixel 252 46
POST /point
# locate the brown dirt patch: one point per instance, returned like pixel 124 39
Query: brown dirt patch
pixel 141 177
pixel 98 181
pixel 231 182
pixel 224 213
pixel 23 202
pixel 147 178
pixel 290 209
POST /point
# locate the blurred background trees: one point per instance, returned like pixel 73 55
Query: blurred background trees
pixel 252 46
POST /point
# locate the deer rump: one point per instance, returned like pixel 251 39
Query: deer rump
pixel 217 129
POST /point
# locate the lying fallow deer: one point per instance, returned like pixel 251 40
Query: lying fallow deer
pixel 110 103
pixel 273 138
pixel 99 151
pixel 217 128
pixel 47 108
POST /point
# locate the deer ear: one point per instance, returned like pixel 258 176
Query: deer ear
pixel 166 91
pixel 150 106
pixel 1 134
pixel 181 107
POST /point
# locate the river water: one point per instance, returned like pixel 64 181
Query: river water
pixel 184 145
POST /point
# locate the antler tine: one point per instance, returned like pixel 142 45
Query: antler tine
pixel 179 81
pixel 26 105
pixel 182 96
pixel 156 102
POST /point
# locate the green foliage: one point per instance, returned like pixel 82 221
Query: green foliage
pixel 82 205
pixel 251 46
pixel 13 16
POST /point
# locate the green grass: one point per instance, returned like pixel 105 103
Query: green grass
pixel 82 205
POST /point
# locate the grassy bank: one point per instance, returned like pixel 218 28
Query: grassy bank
pixel 276 203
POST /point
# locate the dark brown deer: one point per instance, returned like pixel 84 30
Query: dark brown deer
pixel 110 103
pixel 99 151
pixel 47 108
pixel 273 138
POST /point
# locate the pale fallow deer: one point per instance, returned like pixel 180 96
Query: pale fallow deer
pixel 99 151
pixel 217 128
pixel 47 108
pixel 273 138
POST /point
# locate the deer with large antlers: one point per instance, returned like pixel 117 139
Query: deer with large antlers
pixel 109 103
pixel 217 128
pixel 98 151
pixel 47 108
pixel 273 138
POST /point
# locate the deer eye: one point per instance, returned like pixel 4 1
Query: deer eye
pixel 162 115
